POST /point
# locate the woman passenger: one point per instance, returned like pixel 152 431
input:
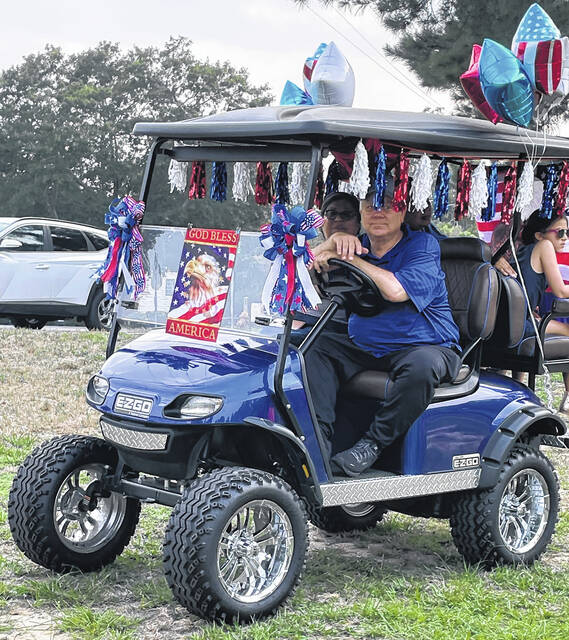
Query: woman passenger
pixel 541 239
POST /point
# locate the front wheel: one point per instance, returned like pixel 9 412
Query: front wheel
pixel 513 522
pixel 235 545
pixel 359 516
pixel 53 518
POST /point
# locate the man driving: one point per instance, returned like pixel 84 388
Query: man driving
pixel 413 338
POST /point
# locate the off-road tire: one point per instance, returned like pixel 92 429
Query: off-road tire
pixel 475 518
pixel 196 527
pixel 28 323
pixel 360 517
pixel 32 498
pixel 97 318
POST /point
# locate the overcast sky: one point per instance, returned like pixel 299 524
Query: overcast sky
pixel 271 38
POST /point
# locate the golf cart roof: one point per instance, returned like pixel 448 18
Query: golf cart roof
pixel 305 125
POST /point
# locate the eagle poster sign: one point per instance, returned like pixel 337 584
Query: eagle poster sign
pixel 200 293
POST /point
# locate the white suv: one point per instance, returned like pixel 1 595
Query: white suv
pixel 46 269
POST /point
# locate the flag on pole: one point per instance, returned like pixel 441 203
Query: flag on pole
pixel 202 284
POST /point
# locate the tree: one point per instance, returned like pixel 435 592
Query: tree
pixel 435 37
pixel 66 145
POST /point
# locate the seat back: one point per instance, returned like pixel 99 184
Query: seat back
pixel 512 314
pixel 473 287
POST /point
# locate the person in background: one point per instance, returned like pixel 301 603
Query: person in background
pixel 341 213
pixel 540 239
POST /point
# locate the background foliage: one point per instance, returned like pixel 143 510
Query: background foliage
pixel 66 147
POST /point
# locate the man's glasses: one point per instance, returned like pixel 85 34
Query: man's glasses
pixel 561 233
pixel 339 215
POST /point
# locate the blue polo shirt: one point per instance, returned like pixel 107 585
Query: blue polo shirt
pixel 426 317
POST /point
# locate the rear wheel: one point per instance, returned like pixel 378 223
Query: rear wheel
pixel 235 545
pixel 100 315
pixel 513 522
pixel 359 516
pixel 29 323
pixel 54 517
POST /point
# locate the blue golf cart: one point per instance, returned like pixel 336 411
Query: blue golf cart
pixel 225 432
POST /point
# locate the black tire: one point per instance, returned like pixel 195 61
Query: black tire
pixel 100 315
pixel 360 516
pixel 483 523
pixel 209 512
pixel 29 323
pixel 44 516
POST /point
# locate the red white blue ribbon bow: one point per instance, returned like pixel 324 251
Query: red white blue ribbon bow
pixel 285 240
pixel 124 256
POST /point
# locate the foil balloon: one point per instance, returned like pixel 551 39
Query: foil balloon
pixel 547 65
pixel 536 25
pixel 332 80
pixel 294 95
pixel 470 81
pixel 505 83
pixel 309 65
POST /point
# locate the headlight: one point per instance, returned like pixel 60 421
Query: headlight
pixel 193 407
pixel 97 389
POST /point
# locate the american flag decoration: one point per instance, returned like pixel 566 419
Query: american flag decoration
pixel 486 226
pixel 202 284
pixel 285 240
pixel 543 52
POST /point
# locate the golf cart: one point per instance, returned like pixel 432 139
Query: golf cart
pixel 225 433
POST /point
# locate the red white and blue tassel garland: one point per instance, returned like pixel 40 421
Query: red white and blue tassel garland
pixel 218 190
pixel 197 181
pixel 525 191
pixel 492 187
pixel 242 187
pixel 379 179
pixel 282 194
pixel 359 178
pixel 124 255
pixel 422 183
pixel 401 183
pixel 440 200
pixel 478 191
pixel 463 191
pixel 561 199
pixel 509 194
pixel 285 240
pixel 549 185
pixel 177 175
pixel 264 183
pixel 333 178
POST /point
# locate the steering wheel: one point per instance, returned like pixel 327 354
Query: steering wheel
pixel 358 292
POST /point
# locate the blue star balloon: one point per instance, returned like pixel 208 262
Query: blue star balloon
pixel 505 83
pixel 535 26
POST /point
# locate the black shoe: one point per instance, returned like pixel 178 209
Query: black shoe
pixel 359 458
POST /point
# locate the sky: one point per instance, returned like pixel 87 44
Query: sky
pixel 270 38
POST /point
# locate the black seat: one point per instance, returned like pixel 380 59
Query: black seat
pixel 473 292
pixel 508 349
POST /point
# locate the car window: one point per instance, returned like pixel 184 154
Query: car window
pixel 67 239
pixel 98 242
pixel 26 238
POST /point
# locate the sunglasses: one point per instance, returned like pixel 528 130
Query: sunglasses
pixel 339 215
pixel 561 233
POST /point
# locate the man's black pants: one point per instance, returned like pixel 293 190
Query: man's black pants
pixel 414 373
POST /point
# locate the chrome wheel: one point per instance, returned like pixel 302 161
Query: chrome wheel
pixel 255 551
pixel 105 313
pixel 524 511
pixel 359 509
pixel 84 525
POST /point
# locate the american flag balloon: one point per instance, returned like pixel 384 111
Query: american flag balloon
pixel 536 25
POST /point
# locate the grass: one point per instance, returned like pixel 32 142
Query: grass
pixel 402 580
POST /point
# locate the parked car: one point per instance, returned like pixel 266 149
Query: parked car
pixel 46 269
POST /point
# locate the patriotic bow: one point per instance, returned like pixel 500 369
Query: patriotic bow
pixel 285 240
pixel 124 254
